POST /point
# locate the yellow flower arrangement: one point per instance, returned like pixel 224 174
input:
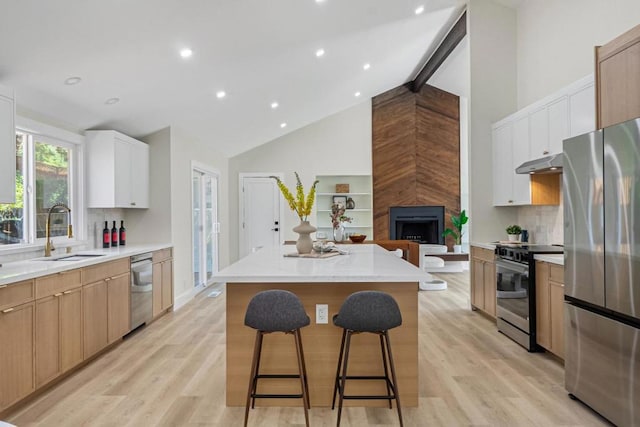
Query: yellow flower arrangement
pixel 300 204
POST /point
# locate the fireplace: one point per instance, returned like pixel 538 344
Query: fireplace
pixel 423 224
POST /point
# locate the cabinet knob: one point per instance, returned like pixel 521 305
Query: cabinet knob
pixel 510 201
pixel 545 152
pixel 67 292
pixel 58 294
pixel 133 203
pixel 8 310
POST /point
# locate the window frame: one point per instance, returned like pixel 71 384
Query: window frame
pixel 74 142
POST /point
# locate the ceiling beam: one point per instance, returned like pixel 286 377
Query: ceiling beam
pixel 451 40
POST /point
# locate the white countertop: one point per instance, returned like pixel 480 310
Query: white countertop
pixel 17 271
pixel 484 245
pixel 364 263
pixel 552 258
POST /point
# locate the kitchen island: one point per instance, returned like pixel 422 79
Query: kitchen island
pixel 321 281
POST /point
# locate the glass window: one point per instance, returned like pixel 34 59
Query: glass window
pixel 43 179
pixel 12 215
pixel 52 187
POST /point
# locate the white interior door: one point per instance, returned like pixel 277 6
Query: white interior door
pixel 205 225
pixel 260 213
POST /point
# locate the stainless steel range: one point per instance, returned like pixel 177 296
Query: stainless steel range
pixel 515 292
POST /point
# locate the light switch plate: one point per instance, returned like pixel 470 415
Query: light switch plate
pixel 322 313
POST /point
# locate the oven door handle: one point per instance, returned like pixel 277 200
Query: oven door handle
pixel 513 266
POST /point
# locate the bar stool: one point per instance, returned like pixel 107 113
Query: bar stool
pixel 276 311
pixel 374 312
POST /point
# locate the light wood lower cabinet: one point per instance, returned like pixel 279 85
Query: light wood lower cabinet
pixel 95 331
pixel 118 304
pixel 550 307
pixel 58 331
pixel 53 323
pixel 483 280
pixel 16 353
pixel 162 281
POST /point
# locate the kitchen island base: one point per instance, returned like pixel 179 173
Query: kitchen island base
pixel 321 344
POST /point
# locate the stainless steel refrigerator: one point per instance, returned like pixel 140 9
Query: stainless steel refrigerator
pixel 601 182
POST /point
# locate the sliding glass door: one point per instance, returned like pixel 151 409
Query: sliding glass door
pixel 205 226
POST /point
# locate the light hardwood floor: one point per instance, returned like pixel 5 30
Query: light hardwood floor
pixel 172 374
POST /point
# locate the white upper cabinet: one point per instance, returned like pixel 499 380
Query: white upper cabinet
pixel 502 165
pixel 558 124
pixel 117 171
pixel 538 131
pixel 582 110
pixel 7 146
pixel 539 142
pixel 521 186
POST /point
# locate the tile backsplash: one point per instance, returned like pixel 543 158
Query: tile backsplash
pixel 544 223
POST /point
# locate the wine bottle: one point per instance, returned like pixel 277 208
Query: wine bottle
pixel 123 234
pixel 106 237
pixel 114 235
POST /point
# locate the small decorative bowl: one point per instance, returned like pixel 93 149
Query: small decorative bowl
pixel 357 238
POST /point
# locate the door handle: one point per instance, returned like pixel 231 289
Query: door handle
pixel 275 229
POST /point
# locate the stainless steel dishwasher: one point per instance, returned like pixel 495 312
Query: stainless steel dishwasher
pixel 141 289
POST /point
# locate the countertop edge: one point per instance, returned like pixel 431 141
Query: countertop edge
pixel 19 271
pixel 550 258
pixel 483 245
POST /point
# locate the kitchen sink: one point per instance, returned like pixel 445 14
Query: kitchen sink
pixel 73 257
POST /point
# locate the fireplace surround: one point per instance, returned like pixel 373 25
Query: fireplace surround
pixel 422 224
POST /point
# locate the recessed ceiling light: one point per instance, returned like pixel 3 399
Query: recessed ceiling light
pixel 319 52
pixel 283 125
pixel 319 1
pixel 274 105
pixel 186 53
pixel 221 94
pixel 366 66
pixel 72 81
pixel 357 94
pixel 112 101
pixel 419 10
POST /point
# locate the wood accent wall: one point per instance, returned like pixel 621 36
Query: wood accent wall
pixel 415 153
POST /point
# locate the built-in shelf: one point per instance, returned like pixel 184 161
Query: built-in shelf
pixel 360 191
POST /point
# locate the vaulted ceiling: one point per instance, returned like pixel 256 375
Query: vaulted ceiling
pixel 257 51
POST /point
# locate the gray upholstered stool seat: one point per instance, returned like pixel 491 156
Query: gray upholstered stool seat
pixel 373 312
pixel 276 311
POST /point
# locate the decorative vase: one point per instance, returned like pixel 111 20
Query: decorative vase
pixel 338 232
pixel 351 204
pixel 304 244
pixel 457 249
pixel 514 237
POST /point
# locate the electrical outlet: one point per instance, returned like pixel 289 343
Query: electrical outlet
pixel 322 313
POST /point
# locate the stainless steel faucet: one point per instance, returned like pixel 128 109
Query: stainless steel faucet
pixel 48 247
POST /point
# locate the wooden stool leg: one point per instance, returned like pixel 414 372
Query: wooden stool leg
pixel 393 376
pixel 344 376
pixel 253 377
pixel 335 387
pixel 304 369
pixel 303 386
pixel 386 370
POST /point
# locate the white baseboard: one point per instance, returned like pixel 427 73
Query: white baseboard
pixel 185 297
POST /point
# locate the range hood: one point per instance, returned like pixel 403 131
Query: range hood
pixel 549 164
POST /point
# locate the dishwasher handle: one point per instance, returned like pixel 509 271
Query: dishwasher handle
pixel 141 257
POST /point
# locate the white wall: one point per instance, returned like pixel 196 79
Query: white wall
pixel 556 40
pixel 492 59
pixel 184 149
pixel 337 145
pixel 153 225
